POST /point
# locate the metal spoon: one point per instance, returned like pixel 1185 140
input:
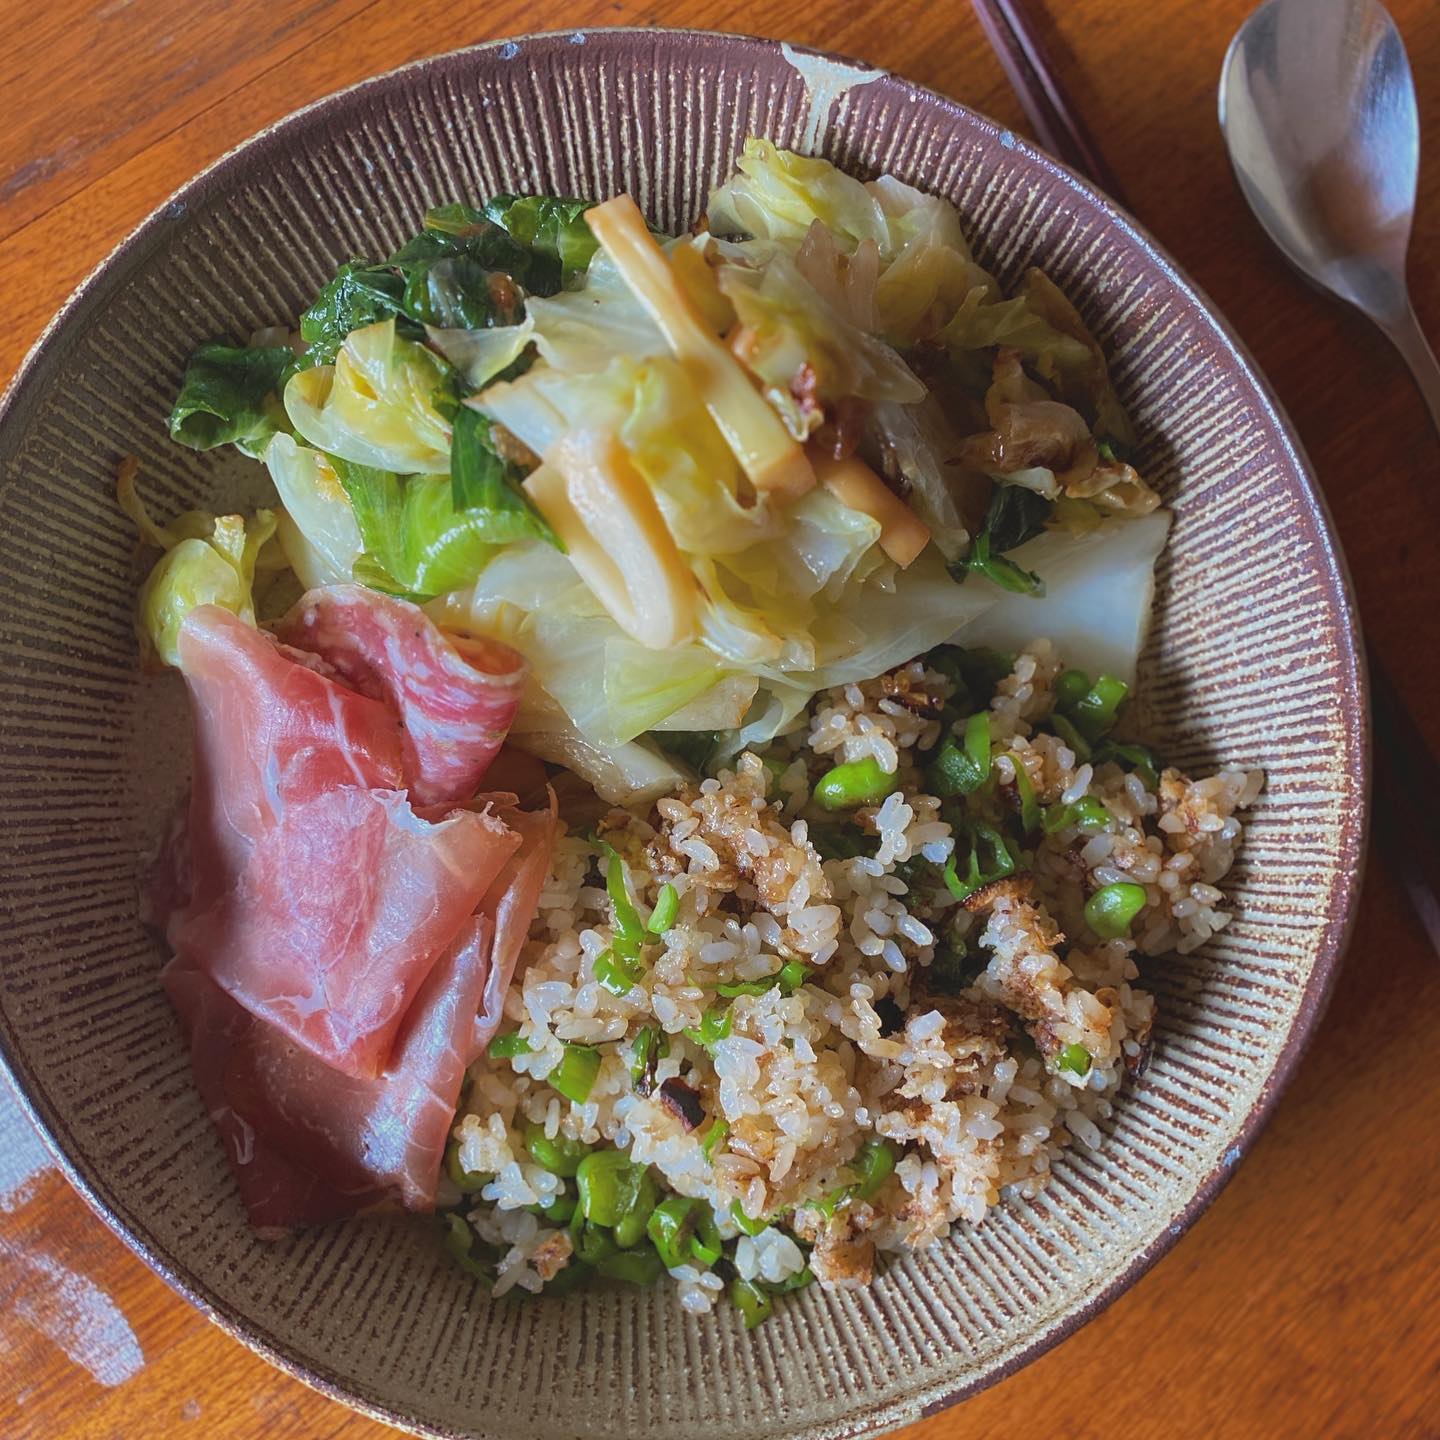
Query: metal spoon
pixel 1318 110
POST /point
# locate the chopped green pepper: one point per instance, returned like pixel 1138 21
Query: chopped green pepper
pixel 706 1245
pixel 634 1267
pixel 996 864
pixel 507 1046
pixel 557 1155
pixel 617 973
pixel 1070 687
pixel 856 783
pixel 714 1026
pixel 751 1301
pixel 616 1193
pixel 575 1075
pixel 629 932
pixel 793 974
pixel 459 1240
pixel 670 1226
pixel 746 1224
pixel 1094 712
pixel 714 1137
pixel 1025 790
pixel 874 1164
pixel 1087 814
pixel 962 769
pixel 1071 736
pixel 1138 758
pixel 667 907
pixel 1110 910
pixel 1075 1059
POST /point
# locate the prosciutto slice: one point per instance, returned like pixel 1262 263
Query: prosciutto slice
pixel 511 903
pixel 321 901
pixel 307 1145
pixel 455 697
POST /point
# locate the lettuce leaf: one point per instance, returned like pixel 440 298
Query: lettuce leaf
pixel 548 225
pixel 230 395
pixel 377 405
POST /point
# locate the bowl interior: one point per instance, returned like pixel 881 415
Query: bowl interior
pixel 1253 660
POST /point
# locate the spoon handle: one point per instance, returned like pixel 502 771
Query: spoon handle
pixel 1409 339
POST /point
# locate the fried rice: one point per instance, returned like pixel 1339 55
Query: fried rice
pixel 952 1030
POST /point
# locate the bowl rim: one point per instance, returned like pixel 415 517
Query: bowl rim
pixel 1353 829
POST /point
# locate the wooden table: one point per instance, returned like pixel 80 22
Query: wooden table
pixel 1307 1302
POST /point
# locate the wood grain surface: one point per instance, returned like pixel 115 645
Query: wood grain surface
pixel 1307 1302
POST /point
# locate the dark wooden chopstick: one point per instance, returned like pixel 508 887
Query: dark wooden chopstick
pixel 1406 772
pixel 1035 81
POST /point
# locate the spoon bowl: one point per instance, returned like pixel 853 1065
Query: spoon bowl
pixel 1317 105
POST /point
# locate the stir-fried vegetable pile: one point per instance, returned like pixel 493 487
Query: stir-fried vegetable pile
pixel 694 479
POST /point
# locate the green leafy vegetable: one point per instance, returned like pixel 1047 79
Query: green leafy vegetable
pixel 1013 516
pixel 548 225
pixel 481 479
pixel 358 296
pixel 231 395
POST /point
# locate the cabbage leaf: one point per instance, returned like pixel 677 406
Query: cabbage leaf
pixel 317 528
pixel 548 225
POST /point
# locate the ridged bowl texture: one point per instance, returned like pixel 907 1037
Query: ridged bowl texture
pixel 1253 660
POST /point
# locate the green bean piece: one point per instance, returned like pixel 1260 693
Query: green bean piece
pixel 616 1193
pixel 628 929
pixel 1075 1059
pixel 1110 910
pixel 1094 712
pixel 962 769
pixel 575 1075
pixel 1071 736
pixel 848 786
pixel 466 1181
pixel 706 1246
pixel 634 1267
pixel 714 1138
pixel 506 1047
pixel 669 1228
pixel 751 1301
pixel 557 1155
pixel 1138 758
pixel 667 907
pixel 746 1224
pixel 874 1165
pixel 590 1243
pixel 1071 686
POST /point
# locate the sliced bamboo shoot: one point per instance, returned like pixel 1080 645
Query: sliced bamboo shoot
pixel 754 432
pixel 903 535
pixel 604 512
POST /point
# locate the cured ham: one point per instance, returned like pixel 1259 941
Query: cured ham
pixel 321 900
pixel 307 1145
pixel 455 697
pixel 511 903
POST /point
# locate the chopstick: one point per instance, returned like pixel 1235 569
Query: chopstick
pixel 1035 81
pixel 1407 789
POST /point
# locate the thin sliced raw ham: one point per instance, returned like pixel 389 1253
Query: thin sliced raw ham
pixel 321 900
pixel 511 903
pixel 455 697
pixel 307 1145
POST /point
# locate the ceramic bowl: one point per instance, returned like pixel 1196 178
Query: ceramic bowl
pixel 1254 659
